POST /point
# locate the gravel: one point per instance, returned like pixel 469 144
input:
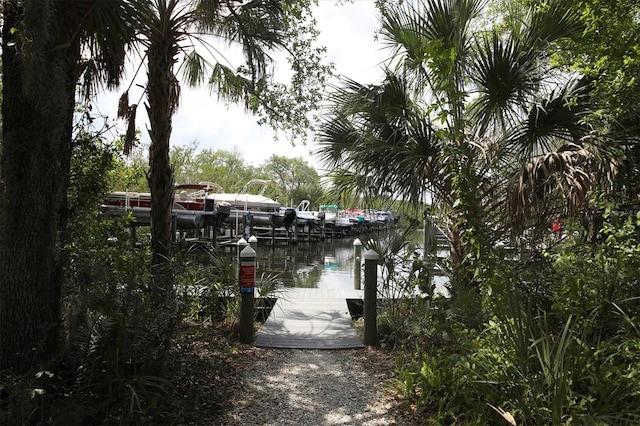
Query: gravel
pixel 315 387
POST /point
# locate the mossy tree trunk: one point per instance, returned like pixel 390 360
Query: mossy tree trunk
pixel 37 107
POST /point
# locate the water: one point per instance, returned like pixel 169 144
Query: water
pixel 325 264
pixel 319 264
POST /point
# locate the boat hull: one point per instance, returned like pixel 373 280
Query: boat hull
pixel 189 214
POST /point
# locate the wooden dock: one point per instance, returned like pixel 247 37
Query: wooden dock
pixel 310 318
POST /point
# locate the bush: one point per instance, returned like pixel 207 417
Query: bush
pixel 559 344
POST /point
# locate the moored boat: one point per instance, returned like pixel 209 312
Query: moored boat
pixel 335 216
pixel 252 208
pixel 190 207
pixel 304 216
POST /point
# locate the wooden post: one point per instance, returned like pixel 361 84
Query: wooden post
pixel 273 231
pixel 247 289
pixel 174 227
pixel 370 298
pixel 214 236
pixel 132 236
pixel 357 263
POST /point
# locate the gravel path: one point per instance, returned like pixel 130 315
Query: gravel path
pixel 315 387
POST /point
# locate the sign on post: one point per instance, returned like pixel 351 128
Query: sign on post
pixel 247 278
pixel 247 272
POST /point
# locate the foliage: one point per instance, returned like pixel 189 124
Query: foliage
pixel 129 172
pixel 608 50
pixel 557 342
pixel 225 168
pixel 105 299
pixel 405 290
pixel 474 119
pixel 210 293
pixel 294 180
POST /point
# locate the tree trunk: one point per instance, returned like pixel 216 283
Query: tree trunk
pixel 162 293
pixel 36 111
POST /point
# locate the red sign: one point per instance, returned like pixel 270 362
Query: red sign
pixel 247 276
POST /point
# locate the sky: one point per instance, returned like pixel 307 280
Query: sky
pixel 347 31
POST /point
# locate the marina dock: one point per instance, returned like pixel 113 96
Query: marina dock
pixel 311 318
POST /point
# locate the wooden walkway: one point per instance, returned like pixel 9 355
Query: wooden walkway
pixel 310 318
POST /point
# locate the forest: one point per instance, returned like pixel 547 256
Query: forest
pixel 513 126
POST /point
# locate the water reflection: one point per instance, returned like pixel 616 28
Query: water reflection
pixel 325 264
pixel 320 264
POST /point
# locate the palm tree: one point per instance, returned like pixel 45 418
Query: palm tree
pixel 463 111
pixel 45 44
pixel 169 32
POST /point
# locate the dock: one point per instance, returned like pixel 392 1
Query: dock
pixel 310 318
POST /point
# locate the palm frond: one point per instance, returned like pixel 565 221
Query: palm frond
pixel 505 75
pixel 194 69
pixel 552 121
pixel 550 21
pixel 561 173
pixel 95 24
pixel 381 141
pixel 433 38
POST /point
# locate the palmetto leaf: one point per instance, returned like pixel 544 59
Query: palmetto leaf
pixel 107 34
pixel 550 21
pixel 506 76
pixel 431 38
pixel 380 140
pixel 552 121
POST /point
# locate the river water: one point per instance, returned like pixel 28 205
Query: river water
pixel 317 264
pixel 327 264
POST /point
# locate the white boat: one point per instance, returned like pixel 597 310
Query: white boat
pixel 304 216
pixel 254 209
pixel 335 216
pixel 385 216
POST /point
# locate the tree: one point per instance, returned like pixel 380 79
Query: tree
pixel 609 53
pixel 462 111
pixel 169 30
pixel 225 168
pixel 44 46
pixel 0 104
pixel 294 180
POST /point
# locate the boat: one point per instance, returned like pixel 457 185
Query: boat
pixel 385 217
pixel 336 217
pixel 304 216
pixel 189 207
pixel 193 197
pixel 254 208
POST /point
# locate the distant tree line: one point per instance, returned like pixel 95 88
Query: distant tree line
pixel 291 179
